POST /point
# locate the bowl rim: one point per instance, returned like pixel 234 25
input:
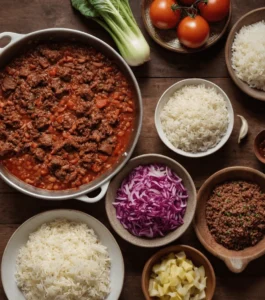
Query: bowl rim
pixel 243 86
pixel 236 261
pixel 186 50
pixel 255 146
pixel 175 248
pixel 47 213
pixel 175 87
pixel 151 243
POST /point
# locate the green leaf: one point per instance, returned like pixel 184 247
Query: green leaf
pixel 85 8
pixel 117 18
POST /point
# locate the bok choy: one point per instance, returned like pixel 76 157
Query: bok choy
pixel 117 18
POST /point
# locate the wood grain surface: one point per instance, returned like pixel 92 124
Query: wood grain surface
pixel 164 69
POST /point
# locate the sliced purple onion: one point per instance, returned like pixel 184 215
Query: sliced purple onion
pixel 151 201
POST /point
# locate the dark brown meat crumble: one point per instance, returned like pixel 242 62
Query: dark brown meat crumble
pixel 235 214
pixel 66 115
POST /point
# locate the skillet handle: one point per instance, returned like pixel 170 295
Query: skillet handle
pixel 12 35
pixel 102 193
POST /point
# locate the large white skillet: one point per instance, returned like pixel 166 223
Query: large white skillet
pixel 19 42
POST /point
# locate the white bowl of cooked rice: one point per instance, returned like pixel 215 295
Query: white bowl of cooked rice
pixel 62 254
pixel 194 117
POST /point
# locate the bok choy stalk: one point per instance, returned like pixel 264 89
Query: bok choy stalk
pixel 117 18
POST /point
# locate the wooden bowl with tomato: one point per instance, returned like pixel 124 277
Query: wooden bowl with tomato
pixel 186 26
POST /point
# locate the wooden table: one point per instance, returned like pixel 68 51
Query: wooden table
pixel 164 69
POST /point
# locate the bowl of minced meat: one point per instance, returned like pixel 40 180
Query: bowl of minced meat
pixel 194 117
pixel 235 214
pixel 230 218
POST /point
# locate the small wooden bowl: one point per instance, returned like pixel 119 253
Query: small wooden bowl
pixel 259 138
pixel 252 17
pixel 116 183
pixel 168 38
pixel 236 261
pixel 194 255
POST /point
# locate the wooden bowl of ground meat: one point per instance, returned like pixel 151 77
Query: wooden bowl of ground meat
pixel 230 216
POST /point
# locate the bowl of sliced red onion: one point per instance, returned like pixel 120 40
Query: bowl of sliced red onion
pixel 152 201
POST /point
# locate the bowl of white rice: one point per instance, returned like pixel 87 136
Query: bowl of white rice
pixel 194 117
pixel 62 254
pixel 245 53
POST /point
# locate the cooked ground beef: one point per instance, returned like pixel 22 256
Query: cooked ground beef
pixel 66 115
pixel 235 214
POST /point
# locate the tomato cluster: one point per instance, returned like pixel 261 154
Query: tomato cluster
pixel 193 30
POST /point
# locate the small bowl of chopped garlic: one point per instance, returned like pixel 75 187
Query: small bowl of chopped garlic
pixel 194 117
pixel 178 273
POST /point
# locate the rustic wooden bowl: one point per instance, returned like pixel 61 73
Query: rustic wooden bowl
pixel 236 261
pixel 252 17
pixel 194 255
pixel 168 38
pixel 259 138
pixel 116 183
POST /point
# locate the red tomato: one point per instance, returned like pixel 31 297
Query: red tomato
pixel 187 2
pixel 193 32
pixel 162 16
pixel 214 10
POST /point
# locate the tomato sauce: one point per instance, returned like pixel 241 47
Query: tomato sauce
pixel 67 116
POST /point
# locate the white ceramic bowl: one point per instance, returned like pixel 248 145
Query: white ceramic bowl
pixel 20 237
pixel 164 99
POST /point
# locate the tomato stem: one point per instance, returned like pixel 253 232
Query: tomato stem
pixel 176 7
pixel 201 1
pixel 190 11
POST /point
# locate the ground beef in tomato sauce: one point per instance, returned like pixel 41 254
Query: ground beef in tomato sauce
pixel 66 115
pixel 235 214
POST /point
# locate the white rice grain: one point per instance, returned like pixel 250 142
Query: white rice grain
pixel 195 118
pixel 248 55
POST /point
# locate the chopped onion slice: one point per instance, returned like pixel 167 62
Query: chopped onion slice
pixel 151 201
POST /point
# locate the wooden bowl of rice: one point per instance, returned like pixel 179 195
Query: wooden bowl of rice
pixel 253 17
